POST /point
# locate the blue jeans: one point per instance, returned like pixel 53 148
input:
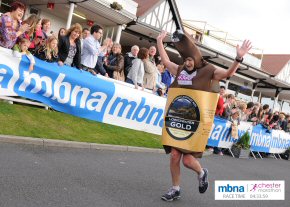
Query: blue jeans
pixel 129 81
pixel 217 150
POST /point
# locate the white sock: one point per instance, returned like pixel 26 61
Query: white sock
pixel 176 187
pixel 201 174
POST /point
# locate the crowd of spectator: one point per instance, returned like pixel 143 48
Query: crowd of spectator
pixel 235 111
pixel 251 112
pixel 82 48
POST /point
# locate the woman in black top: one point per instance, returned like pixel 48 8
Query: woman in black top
pixel 69 47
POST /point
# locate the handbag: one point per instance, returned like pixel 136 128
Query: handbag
pixel 234 132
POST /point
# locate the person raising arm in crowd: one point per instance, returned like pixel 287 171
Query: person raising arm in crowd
pixel 92 49
pixel 34 34
pixel 10 25
pixel 102 60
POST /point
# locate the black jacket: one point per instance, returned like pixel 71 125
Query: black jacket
pixel 128 58
pixel 115 64
pixel 41 54
pixel 283 125
pixel 63 49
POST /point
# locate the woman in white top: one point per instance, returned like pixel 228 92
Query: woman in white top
pixel 136 74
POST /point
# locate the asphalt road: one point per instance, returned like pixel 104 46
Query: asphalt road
pixel 33 176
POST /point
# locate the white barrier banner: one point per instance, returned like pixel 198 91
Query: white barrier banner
pixel 6 88
pixel 81 94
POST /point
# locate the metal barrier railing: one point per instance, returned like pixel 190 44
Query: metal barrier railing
pixel 198 29
pixel 11 100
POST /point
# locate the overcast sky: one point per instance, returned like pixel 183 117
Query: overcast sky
pixel 265 22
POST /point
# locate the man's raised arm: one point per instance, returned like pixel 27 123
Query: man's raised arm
pixel 220 74
pixel 172 67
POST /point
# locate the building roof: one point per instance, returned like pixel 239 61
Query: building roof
pixel 274 63
pixel 144 6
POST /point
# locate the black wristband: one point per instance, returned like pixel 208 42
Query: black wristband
pixel 239 60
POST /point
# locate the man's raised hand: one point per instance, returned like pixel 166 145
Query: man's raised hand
pixel 161 36
pixel 244 49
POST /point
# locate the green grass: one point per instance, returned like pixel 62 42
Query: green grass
pixel 30 121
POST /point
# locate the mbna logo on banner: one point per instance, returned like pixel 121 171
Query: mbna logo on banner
pixel 182 118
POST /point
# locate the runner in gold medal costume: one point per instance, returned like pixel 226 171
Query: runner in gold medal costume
pixel 190 107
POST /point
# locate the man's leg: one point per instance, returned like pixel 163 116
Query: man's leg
pixel 192 163
pixel 175 166
pixel 174 192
